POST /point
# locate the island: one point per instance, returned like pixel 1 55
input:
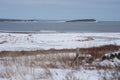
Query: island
pixel 17 20
pixel 82 20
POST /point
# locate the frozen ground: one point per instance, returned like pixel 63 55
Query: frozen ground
pixel 18 42
pixel 57 66
pixel 53 67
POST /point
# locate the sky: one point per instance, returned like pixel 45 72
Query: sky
pixel 102 10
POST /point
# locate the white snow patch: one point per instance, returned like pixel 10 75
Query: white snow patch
pixel 28 42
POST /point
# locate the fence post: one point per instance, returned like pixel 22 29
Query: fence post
pixel 77 58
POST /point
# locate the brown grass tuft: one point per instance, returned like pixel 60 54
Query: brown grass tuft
pixel 98 52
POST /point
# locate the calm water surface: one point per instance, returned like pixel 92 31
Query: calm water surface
pixel 103 26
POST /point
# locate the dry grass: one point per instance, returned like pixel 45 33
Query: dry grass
pixel 18 64
pixel 110 74
pixel 21 66
pixel 3 42
pixel 53 56
pixel 87 39
pixel 27 53
pixel 94 51
pixel 98 52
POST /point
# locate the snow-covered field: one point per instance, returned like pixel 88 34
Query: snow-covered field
pixel 18 42
pixel 54 67
pixel 57 66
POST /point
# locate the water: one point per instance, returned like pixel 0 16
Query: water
pixel 103 26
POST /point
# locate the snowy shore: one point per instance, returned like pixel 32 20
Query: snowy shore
pixel 57 66
pixel 45 41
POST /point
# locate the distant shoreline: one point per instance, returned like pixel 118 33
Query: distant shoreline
pixel 100 26
pixel 37 20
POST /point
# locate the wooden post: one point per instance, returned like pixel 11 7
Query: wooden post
pixel 76 59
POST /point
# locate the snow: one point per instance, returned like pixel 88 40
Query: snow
pixel 35 68
pixel 52 74
pixel 111 62
pixel 23 68
pixel 28 42
pixel 74 74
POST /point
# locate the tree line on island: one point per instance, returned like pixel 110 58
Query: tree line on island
pixel 82 20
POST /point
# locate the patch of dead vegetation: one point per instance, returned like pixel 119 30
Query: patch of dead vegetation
pixel 98 52
pixel 87 39
pixel 94 51
pixel 2 42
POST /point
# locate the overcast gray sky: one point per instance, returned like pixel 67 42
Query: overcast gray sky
pixel 60 9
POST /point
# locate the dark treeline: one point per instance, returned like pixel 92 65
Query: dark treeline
pixel 82 20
